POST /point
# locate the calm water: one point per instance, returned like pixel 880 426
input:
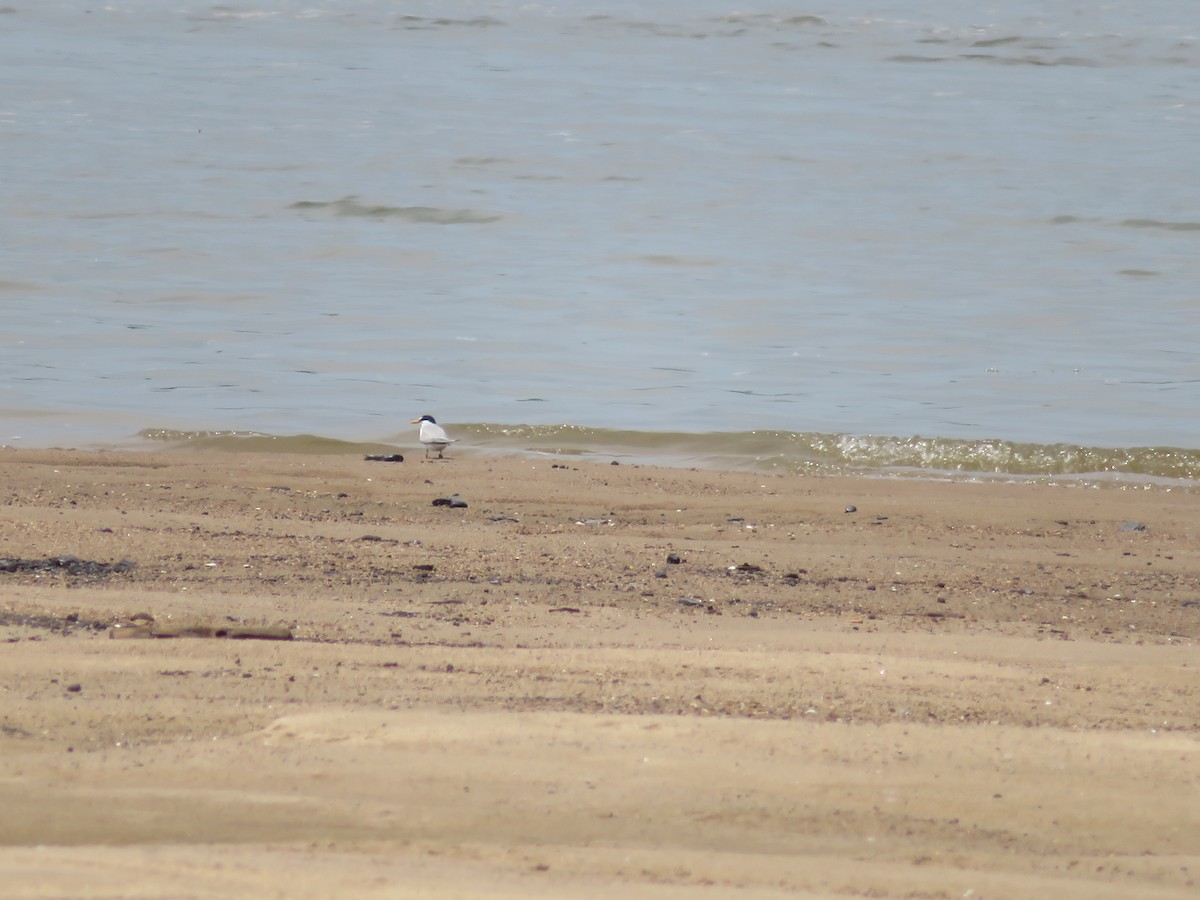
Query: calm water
pixel 919 233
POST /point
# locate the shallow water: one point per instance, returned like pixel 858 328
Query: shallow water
pixel 907 234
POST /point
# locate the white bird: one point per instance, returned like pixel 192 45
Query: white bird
pixel 433 435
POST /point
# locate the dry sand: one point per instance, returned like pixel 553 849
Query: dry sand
pixel 593 681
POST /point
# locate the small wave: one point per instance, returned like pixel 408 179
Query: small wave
pixel 662 259
pixel 812 453
pixel 1012 458
pixel 997 42
pixel 911 58
pixel 771 21
pixel 820 453
pixel 1166 226
pixel 226 13
pixel 1026 60
pixel 413 22
pixel 422 215
pixel 1129 223
pixel 20 287
pixel 476 22
pixel 258 442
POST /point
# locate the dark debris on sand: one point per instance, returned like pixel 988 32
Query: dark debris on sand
pixel 66 565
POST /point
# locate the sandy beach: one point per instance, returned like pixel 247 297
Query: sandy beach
pixel 581 679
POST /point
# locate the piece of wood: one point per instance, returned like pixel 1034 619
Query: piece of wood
pixel 231 632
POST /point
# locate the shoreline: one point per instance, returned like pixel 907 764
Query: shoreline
pixel 592 678
pixel 765 452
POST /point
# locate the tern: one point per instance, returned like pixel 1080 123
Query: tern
pixel 433 435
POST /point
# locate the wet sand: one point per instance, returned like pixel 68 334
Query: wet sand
pixel 592 680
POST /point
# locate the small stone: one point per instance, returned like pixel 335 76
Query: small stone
pixel 851 508
pixel 74 688
pixel 674 559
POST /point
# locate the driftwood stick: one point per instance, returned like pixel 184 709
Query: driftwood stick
pixel 231 632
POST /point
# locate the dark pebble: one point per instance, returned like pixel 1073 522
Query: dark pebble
pixel 851 509
pixel 674 559
pixel 74 688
